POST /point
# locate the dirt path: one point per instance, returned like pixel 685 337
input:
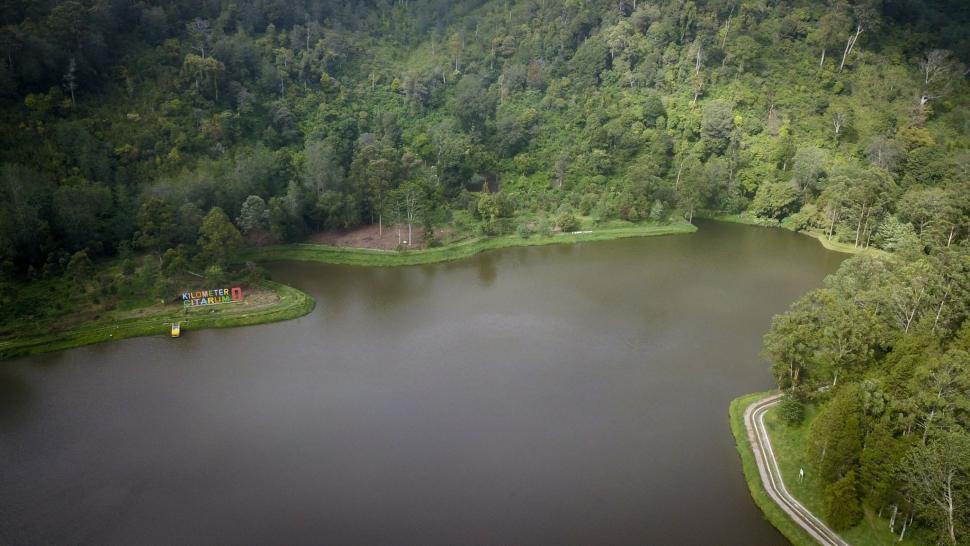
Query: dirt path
pixel 764 456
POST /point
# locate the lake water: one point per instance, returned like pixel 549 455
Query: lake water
pixel 572 394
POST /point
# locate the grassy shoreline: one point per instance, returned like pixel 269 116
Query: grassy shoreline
pixel 828 244
pixel 772 512
pixel 321 253
pixel 292 303
pixel 789 444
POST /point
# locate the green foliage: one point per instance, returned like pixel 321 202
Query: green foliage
pixel 717 125
pixel 218 239
pixel 567 222
pixel 842 507
pixel 774 200
pixel 836 435
pixel 253 216
pixel 791 410
pixel 79 267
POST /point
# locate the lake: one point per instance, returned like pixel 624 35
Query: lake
pixel 567 394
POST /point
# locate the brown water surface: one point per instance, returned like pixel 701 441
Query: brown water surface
pixel 547 395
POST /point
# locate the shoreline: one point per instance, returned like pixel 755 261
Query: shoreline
pixel 292 303
pixel 828 244
pixel 327 254
pixel 770 510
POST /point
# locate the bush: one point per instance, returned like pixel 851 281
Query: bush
pixel 524 230
pixel 567 222
pixel 544 227
pixel 791 410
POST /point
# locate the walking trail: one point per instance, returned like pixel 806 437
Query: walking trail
pixel 754 422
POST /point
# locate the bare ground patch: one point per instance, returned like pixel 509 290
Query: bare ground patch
pixel 371 237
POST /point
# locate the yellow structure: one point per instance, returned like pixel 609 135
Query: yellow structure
pixel 176 329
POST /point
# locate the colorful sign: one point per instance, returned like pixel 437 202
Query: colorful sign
pixel 216 296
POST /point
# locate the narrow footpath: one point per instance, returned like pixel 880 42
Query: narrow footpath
pixel 754 422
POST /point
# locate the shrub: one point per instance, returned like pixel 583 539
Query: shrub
pixel 791 410
pixel 567 222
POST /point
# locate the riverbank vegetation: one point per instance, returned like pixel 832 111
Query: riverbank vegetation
pixel 454 250
pixel 876 366
pixel 773 513
pixel 88 322
pixel 871 529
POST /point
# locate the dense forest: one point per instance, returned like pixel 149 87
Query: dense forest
pixel 182 130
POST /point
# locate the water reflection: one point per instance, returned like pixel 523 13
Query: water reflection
pixel 15 396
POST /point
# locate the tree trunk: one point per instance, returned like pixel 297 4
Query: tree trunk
pixel 949 509
pixel 926 427
pixel 822 60
pixel 858 229
pixel 939 310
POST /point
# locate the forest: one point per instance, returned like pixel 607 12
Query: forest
pixel 160 137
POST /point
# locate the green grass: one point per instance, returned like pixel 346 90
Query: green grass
pixel 790 446
pixel 772 512
pixel 380 258
pixel 292 303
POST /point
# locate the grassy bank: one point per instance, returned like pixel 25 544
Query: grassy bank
pixel 365 257
pixel 751 220
pixel 772 512
pixel 790 445
pixel 271 302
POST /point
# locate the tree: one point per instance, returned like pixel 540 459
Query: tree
pixel 200 34
pixel 372 172
pixel 937 68
pixel 885 153
pixel 717 125
pixel 929 210
pixel 157 226
pixel 79 267
pixel 774 200
pixel 745 50
pixel 408 205
pixel 218 239
pixel 253 216
pixel 842 508
pixel 321 171
pixel 936 476
pixel 808 169
pixel 942 381
pixel 81 212
pixel 70 80
pixel 567 222
pixel 877 465
pixel 835 436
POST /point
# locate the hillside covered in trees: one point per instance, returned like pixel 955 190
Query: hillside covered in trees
pixel 182 130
